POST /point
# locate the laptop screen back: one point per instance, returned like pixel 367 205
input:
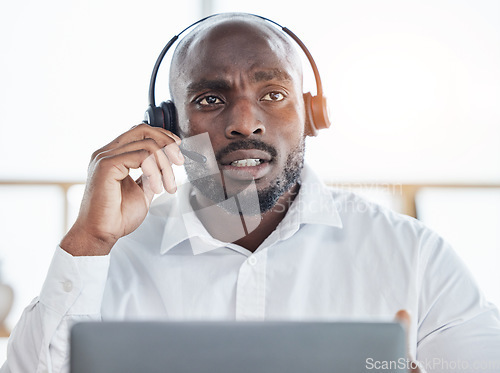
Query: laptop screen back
pixel 243 347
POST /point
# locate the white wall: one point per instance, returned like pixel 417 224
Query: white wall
pixel 413 86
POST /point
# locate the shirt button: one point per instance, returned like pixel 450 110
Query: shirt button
pixel 67 286
pixel 252 260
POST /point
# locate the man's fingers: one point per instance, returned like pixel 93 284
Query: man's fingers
pixel 174 154
pixel 144 184
pixel 151 177
pixel 141 132
pixel 118 165
pixel 157 171
pixel 166 171
pixel 156 166
pixel 404 318
pixel 172 135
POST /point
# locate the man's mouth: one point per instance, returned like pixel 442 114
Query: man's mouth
pixel 246 164
pixel 252 162
pixel 245 158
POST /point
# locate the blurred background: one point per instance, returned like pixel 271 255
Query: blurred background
pixel 413 88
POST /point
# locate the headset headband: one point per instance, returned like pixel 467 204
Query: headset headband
pixel 152 82
pixel 165 115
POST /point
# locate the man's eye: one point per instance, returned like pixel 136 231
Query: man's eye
pixel 273 96
pixel 209 100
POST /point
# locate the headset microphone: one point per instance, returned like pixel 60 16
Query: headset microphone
pixel 165 115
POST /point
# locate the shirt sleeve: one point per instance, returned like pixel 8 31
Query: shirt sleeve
pixel 72 292
pixel 458 330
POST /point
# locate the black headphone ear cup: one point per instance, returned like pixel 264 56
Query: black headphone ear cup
pixel 317 115
pixel 170 116
pixel 154 116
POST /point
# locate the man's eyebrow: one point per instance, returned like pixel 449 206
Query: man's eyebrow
pixel 224 85
pixel 215 85
pixel 266 75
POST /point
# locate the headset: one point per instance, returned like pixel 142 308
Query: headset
pixel 165 115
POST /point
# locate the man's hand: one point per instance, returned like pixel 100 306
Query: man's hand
pixel 113 204
pixel 405 320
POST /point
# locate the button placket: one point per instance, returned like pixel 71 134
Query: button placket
pixel 251 288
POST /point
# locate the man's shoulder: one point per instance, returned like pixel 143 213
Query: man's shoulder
pixel 352 202
pixel 361 213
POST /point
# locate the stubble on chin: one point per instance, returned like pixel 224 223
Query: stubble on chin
pixel 211 186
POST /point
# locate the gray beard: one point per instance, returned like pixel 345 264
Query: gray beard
pixel 210 186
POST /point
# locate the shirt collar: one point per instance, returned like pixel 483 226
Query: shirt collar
pixel 182 223
pixel 313 205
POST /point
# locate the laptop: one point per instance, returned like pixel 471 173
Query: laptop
pixel 237 347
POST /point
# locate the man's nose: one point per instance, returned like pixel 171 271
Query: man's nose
pixel 244 120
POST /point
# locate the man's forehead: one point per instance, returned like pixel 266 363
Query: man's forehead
pixel 225 47
pixel 236 36
pixel 223 83
pixel 223 25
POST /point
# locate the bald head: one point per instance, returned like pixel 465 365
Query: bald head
pixel 231 35
pixel 239 79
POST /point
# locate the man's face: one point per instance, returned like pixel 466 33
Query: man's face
pixel 240 84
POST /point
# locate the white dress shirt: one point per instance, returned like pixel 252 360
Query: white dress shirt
pixel 334 256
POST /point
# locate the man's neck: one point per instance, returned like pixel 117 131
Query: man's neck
pixel 223 225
